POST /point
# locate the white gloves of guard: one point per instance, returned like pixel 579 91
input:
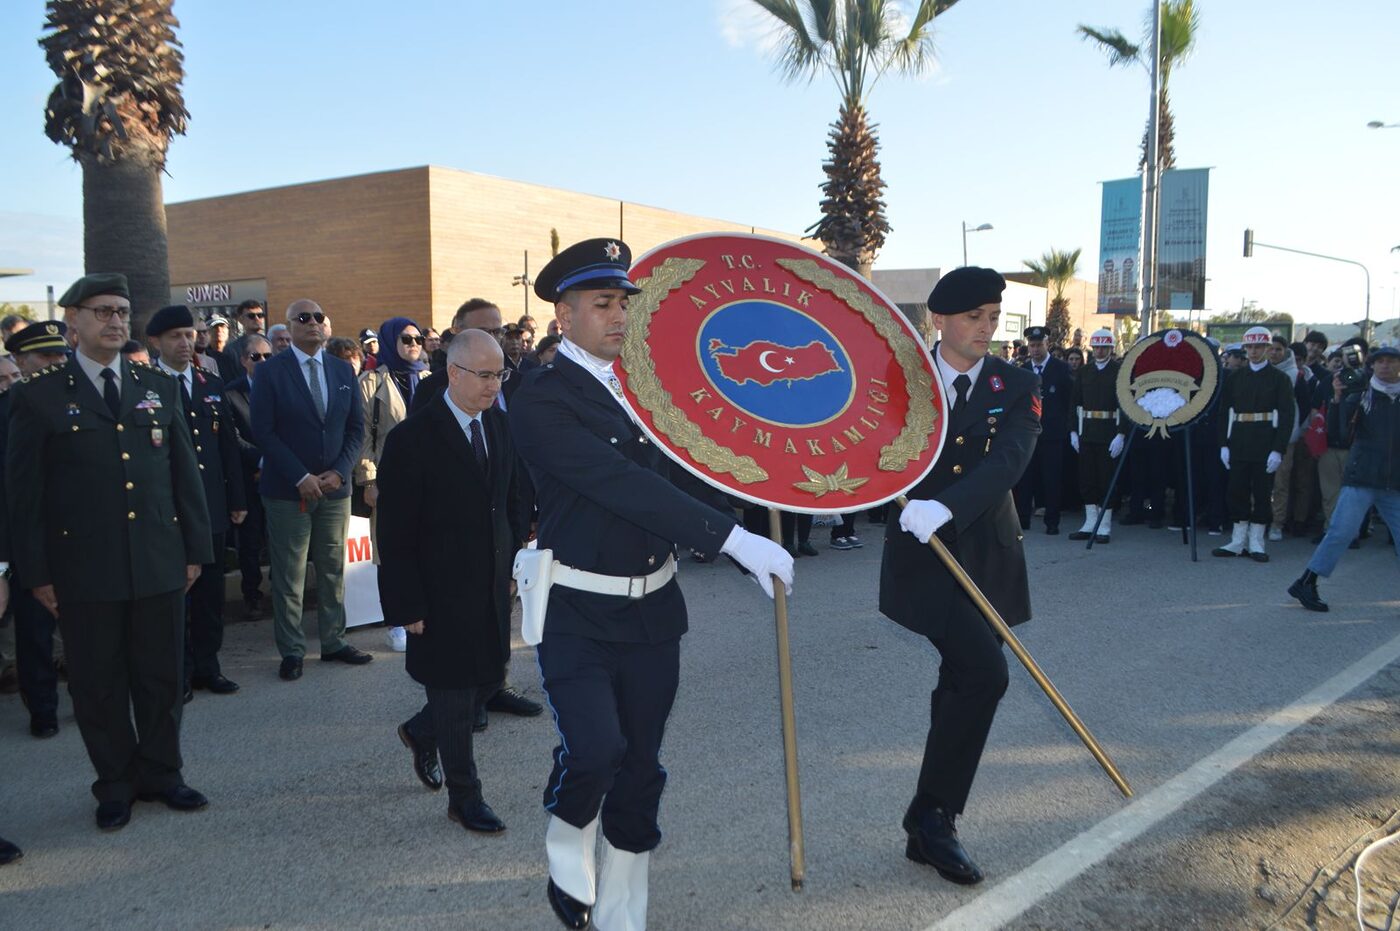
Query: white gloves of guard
pixel 1274 461
pixel 762 557
pixel 1225 456
pixel 1074 440
pixel 923 518
pixel 1115 448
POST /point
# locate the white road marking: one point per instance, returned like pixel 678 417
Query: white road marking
pixel 1007 900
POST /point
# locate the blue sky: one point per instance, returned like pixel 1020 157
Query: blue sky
pixel 677 104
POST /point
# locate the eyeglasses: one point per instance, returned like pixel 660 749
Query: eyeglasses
pixel 104 312
pixel 502 375
pixel 259 356
pixel 254 313
pixel 410 340
pixel 306 317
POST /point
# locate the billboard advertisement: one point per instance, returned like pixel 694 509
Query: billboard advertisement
pixel 1181 242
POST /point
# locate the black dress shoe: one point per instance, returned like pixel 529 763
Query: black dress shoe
pixel 1052 531
pixel 1258 557
pixel 512 701
pixel 9 852
pixel 476 816
pixel 43 728
pixel 1102 538
pixel 291 668
pixel 179 798
pixel 216 684
pixel 113 815
pixel 933 841
pixel 425 761
pixel 807 549
pixel 1306 593
pixel 572 912
pixel 479 722
pixel 348 654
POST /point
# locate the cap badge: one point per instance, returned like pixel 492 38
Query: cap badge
pixel 51 329
pixel 613 251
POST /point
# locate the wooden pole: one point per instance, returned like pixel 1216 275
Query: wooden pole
pixel 796 858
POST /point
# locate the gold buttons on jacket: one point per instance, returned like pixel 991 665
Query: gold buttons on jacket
pixel 130 485
pixel 957 469
pixel 130 515
pixel 126 456
pixel 199 449
pixel 196 433
pixel 959 441
pixel 121 427
pixel 201 467
pixel 75 428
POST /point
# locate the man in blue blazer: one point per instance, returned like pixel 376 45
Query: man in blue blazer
pixel 1044 478
pixel 307 418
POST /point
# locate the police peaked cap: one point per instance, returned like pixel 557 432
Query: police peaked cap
pixel 1036 332
pixel 93 285
pixel 591 265
pixel 169 318
pixel 965 289
pixel 39 337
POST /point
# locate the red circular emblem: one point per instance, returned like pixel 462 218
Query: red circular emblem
pixel 779 375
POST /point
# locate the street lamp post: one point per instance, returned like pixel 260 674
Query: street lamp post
pixel 1379 124
pixel 1250 243
pixel 525 281
pixel 971 229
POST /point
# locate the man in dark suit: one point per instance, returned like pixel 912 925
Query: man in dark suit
pixel 216 447
pixel 1043 481
pixel 251 350
pixel 307 418
pixel 993 421
pixel 476 314
pixel 110 533
pixel 448 511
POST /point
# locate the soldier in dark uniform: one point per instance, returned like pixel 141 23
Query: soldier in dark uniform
pixel 34 348
pixel 109 534
pixel 1258 405
pixel 993 422
pixel 216 447
pixel 1097 434
pixel 1042 482
pixel 610 653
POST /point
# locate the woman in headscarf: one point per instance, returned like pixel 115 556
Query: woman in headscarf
pixel 387 392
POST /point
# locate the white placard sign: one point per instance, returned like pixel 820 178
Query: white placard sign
pixel 361 576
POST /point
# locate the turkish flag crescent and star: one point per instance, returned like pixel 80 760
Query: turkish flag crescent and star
pixel 764 363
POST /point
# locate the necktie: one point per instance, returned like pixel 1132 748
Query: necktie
pixel 315 369
pixel 109 392
pixel 961 384
pixel 478 444
pixel 185 392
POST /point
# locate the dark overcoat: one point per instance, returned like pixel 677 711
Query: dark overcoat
pixel 216 447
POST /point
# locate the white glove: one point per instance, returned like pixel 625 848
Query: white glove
pixel 1115 448
pixel 1225 456
pixel 762 557
pixel 1274 461
pixel 923 518
pixel 1074 440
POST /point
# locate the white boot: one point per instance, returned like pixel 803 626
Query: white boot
pixel 1105 526
pixel 1256 543
pixel 622 891
pixel 1237 538
pixel 1091 514
pixel 571 854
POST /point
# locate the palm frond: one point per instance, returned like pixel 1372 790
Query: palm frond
pixel 1120 51
pixel 1181 23
pixel 800 52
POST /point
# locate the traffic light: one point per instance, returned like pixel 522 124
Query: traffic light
pixel 1248 243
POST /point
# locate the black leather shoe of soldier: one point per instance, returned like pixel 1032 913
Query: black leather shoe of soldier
pixel 348 654
pixel 572 912
pixel 9 852
pixel 113 815
pixel 177 798
pixel 216 684
pixel 1306 593
pixel 43 728
pixel 1258 557
pixel 510 700
pixel 933 841
pixel 1078 535
pixel 425 760
pixel 1102 538
pixel 1052 531
pixel 476 816
pixel 291 668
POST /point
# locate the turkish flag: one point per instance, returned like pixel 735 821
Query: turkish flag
pixel 764 362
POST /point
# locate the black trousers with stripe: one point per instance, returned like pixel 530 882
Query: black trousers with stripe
pixel 445 722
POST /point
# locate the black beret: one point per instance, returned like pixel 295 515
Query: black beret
pixel 593 265
pixel 169 318
pixel 131 346
pixel 964 289
pixel 93 285
pixel 39 337
pixel 1036 332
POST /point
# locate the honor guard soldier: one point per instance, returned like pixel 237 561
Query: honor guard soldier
pixel 1042 482
pixel 993 422
pixel 1097 434
pixel 609 521
pixel 1259 411
pixel 33 348
pixel 110 532
pixel 216 446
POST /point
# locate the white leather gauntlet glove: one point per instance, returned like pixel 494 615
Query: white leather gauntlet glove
pixel 762 557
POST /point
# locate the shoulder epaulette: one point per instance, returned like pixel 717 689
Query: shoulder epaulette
pixel 46 370
pixel 148 367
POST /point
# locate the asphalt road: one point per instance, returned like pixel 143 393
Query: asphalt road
pixel 316 819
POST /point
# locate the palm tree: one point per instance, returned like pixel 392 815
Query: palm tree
pixel 1055 269
pixel 116 106
pixel 1180 25
pixel 856 42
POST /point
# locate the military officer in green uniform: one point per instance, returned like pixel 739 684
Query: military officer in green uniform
pixel 110 532
pixel 1256 422
pixel 1097 434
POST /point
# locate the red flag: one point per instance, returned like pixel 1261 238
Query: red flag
pixel 764 363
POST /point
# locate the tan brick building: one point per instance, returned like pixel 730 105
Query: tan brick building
pixel 417 242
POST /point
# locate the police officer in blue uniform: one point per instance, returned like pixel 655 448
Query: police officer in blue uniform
pixel 610 652
pixel 1044 479
pixel 993 422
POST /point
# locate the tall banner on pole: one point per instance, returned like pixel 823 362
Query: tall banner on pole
pixel 1181 242
pixel 1120 229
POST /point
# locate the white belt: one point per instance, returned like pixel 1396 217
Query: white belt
pixel 635 586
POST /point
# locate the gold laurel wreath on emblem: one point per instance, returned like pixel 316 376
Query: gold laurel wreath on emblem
pixel 656 400
pixel 1129 390
pixel 919 420
pixel 839 480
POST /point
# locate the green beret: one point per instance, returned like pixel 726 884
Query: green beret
pixel 964 289
pixel 93 285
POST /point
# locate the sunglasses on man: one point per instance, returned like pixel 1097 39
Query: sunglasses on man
pixel 306 317
pixel 259 356
pixel 254 313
